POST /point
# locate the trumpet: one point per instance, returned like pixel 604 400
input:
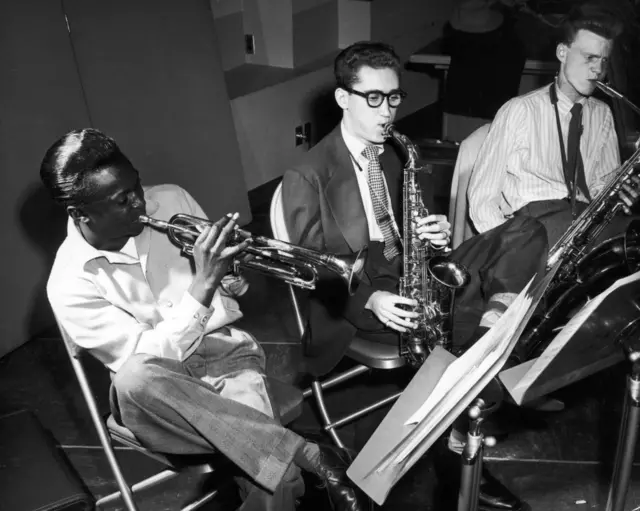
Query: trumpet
pixel 295 265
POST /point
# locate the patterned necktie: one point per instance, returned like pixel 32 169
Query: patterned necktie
pixel 381 202
pixel 574 158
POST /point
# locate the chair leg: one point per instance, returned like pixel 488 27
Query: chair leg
pixel 322 407
pixel 332 382
pixel 158 478
pixel 196 504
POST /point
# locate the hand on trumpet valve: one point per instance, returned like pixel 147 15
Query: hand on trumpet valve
pixel 211 253
pixel 436 229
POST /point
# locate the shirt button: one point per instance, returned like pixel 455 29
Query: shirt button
pixel 196 315
pixel 169 303
pixel 204 319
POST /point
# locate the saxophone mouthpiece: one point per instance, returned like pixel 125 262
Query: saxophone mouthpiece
pixel 388 129
pixel 609 91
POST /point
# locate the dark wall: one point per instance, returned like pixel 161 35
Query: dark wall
pixel 146 72
pixel 153 77
pixel 40 98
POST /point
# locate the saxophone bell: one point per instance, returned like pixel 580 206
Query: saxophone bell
pixel 295 265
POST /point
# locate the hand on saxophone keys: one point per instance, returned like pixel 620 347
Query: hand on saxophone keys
pixel 387 307
pixel 436 229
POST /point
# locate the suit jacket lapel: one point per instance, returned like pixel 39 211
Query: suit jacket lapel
pixel 343 194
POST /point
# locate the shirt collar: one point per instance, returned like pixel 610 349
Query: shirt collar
pixel 354 145
pixel 134 249
pixel 565 104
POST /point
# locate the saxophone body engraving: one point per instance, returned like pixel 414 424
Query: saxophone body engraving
pixel 428 276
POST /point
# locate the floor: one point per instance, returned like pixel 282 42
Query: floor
pixel 555 462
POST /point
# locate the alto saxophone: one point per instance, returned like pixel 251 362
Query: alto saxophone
pixel 428 277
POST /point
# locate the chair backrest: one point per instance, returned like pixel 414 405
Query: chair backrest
pixel 279 229
pixel 278 225
pixel 75 353
pixel 462 228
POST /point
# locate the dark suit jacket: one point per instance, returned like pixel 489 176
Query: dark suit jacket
pixel 324 211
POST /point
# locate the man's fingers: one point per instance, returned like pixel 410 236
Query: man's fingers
pixel 404 300
pixel 207 237
pixel 401 321
pixel 226 232
pixel 230 252
pixel 401 313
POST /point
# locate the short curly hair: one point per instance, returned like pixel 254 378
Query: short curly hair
pixel 365 53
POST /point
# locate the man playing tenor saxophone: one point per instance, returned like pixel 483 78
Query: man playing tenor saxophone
pixel 346 193
pixel 539 141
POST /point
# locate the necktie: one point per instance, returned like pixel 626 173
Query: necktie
pixel 381 202
pixel 574 158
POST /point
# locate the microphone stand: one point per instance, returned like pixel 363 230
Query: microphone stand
pixel 612 93
pixel 629 338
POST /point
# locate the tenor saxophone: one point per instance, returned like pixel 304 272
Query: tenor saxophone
pixel 580 267
pixel 428 276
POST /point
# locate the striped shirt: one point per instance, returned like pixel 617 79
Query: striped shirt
pixel 520 161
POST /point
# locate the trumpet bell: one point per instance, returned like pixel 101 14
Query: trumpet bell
pixel 352 268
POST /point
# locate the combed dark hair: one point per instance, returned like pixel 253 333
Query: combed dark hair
pixel 75 156
pixel 593 16
pixel 365 53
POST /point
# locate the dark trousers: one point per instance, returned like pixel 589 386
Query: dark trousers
pixel 556 217
pixel 501 260
pixel 171 411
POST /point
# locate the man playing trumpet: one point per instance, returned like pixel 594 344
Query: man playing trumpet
pixel 185 380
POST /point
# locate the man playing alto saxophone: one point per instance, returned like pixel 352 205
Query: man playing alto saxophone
pixel 185 380
pixel 346 194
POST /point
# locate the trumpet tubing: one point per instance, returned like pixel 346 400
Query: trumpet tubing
pixel 295 265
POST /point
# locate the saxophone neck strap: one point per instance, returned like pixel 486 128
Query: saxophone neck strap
pixel 570 182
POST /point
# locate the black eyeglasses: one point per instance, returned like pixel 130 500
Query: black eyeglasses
pixel 375 98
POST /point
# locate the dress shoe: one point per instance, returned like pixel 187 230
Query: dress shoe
pixel 495 495
pixel 331 467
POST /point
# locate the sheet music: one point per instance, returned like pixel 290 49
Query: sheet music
pixel 462 375
pixel 481 355
pixel 563 337
pixel 419 417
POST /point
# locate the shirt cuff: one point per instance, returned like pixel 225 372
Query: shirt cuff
pixel 191 308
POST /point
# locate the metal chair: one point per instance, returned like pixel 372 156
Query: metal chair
pixel 287 398
pixel 368 355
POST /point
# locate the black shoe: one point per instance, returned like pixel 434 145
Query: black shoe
pixel 331 469
pixel 495 495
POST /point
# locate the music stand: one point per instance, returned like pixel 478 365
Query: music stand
pixel 442 389
pixel 586 345
pixel 629 338
pixel 472 455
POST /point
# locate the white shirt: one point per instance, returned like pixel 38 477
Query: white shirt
pixel 360 166
pixel 135 300
pixel 520 160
